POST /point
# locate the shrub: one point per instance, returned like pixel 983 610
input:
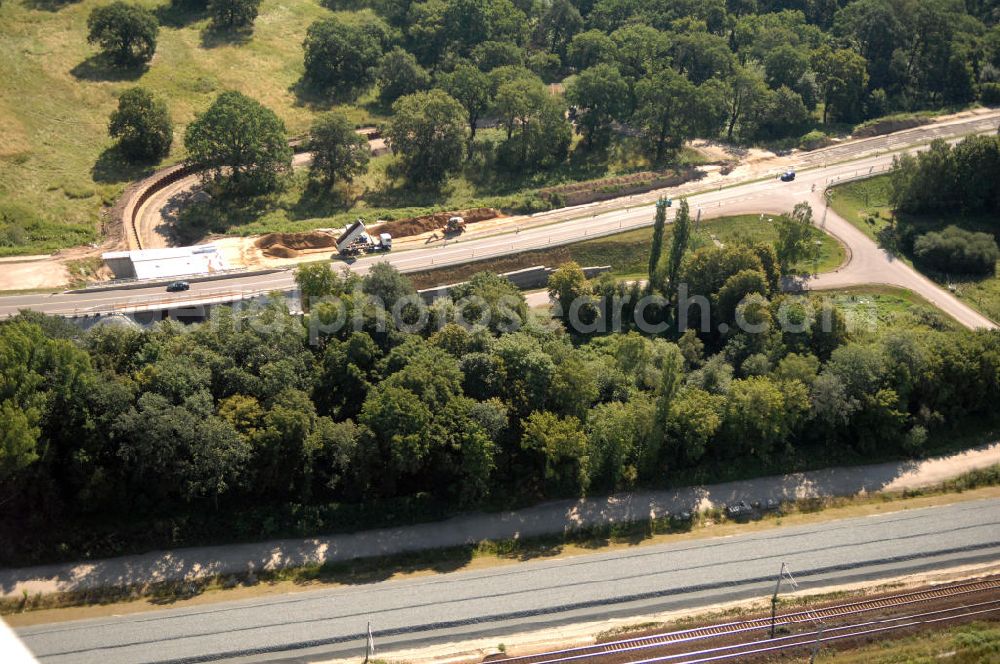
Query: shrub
pixel 989 94
pixel 814 140
pixel 957 250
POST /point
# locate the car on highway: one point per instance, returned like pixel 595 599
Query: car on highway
pixel 787 176
pixel 177 286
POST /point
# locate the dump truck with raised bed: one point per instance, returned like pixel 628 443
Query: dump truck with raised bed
pixel 356 240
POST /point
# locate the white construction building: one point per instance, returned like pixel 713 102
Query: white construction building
pixel 166 263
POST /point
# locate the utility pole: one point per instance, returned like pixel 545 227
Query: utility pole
pixel 819 641
pixel 782 573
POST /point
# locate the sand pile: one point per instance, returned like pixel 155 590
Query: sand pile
pixel 288 245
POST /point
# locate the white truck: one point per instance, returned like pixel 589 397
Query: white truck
pixel 356 240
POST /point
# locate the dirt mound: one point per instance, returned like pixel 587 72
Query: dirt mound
pixel 431 222
pixel 889 125
pixel 280 251
pixel 288 245
pixel 599 190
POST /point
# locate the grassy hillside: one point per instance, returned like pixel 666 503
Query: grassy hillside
pixel 55 98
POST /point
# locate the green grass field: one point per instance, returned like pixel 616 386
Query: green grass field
pixel 56 96
pixel 866 205
pixel 871 309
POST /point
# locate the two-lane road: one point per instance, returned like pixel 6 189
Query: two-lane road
pixel 532 595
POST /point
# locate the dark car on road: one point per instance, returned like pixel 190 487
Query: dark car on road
pixel 177 286
pixel 788 176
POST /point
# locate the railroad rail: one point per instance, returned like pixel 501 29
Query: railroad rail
pixel 817 638
pixel 817 615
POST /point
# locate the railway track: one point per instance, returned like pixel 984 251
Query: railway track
pixel 635 646
pixel 817 638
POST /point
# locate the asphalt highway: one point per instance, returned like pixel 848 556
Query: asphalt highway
pixel 532 595
pixel 851 160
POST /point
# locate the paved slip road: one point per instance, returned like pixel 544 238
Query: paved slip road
pixel 869 264
pixel 504 600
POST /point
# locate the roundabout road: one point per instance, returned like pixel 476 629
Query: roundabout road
pixel 868 263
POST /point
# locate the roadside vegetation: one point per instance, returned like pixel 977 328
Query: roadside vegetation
pixel 965 644
pixel 636 81
pixel 976 485
pixel 940 212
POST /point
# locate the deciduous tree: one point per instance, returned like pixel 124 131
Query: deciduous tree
pixel 142 125
pixel 400 74
pixel 472 88
pixel 561 446
pixel 126 33
pixel 601 96
pixel 341 59
pixel 842 77
pixel 427 131
pixel 240 144
pixel 557 26
pixel 796 237
pixel 233 14
pixel 338 152
pixel 590 48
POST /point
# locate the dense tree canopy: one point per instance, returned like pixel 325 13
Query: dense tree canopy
pixel 600 95
pixel 946 177
pixel 400 74
pixel 261 417
pixel 781 72
pixel 957 251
